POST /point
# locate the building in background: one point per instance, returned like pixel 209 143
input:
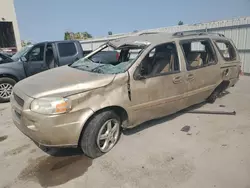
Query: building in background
pixel 9 33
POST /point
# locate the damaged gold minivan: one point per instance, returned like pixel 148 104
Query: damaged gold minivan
pixel 86 104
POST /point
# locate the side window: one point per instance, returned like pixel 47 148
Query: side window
pixel 226 50
pixel 37 53
pixel 67 49
pixel 198 54
pixel 160 60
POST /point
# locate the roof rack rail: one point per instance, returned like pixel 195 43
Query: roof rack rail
pixel 190 33
pixel 148 33
pixel 208 33
pixel 184 33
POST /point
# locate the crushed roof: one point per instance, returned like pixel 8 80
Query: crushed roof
pixel 156 38
pixel 143 39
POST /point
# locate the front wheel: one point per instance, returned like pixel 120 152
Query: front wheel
pixel 6 86
pixel 101 134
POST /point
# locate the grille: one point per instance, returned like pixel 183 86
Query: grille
pixel 19 101
pixel 18 115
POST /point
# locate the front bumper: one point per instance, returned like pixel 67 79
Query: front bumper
pixel 49 130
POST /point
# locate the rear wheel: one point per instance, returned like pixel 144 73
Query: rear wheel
pixel 6 86
pixel 101 134
pixel 212 98
pixel 218 91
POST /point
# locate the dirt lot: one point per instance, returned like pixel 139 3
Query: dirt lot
pixel 214 153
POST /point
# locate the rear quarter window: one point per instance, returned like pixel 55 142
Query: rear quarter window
pixel 227 50
pixel 67 49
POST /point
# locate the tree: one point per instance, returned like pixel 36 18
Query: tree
pixel 25 43
pixel 110 33
pixel 67 35
pixel 180 22
pixel 86 35
pixel 78 35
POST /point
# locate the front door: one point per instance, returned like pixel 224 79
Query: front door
pixel 35 60
pixel 203 71
pixel 160 88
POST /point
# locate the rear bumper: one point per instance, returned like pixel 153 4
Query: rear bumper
pixel 233 82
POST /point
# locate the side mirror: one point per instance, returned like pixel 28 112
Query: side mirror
pixel 139 77
pixel 23 59
pixel 139 73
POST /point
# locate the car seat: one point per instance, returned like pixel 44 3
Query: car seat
pixel 161 63
pixel 50 60
pixel 194 59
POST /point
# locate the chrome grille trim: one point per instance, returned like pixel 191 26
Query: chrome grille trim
pixel 18 100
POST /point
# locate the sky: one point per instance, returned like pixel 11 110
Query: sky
pixel 41 20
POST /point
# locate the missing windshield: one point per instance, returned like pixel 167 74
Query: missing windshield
pixel 108 59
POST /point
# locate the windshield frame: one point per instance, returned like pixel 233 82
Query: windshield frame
pixel 24 50
pixel 100 48
pixel 107 44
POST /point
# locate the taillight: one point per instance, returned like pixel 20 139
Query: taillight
pixel 240 71
pixel 117 56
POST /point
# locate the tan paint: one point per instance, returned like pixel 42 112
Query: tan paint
pixel 90 92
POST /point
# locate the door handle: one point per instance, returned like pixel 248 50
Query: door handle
pixel 190 77
pixel 226 72
pixel 177 79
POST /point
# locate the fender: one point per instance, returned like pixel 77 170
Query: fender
pixel 13 70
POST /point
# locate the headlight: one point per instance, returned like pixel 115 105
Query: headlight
pixel 51 105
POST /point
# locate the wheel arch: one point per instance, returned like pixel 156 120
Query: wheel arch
pixel 3 75
pixel 120 111
pixel 222 86
pixel 217 91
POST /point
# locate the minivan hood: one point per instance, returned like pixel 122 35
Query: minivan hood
pixel 62 82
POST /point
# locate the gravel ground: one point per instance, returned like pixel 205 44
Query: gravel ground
pixel 213 153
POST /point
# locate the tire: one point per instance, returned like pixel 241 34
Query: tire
pixel 4 82
pixel 89 142
pixel 212 98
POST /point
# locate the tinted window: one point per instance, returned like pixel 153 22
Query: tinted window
pixel 66 49
pixel 160 60
pixel 226 50
pixel 198 54
pixel 37 53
